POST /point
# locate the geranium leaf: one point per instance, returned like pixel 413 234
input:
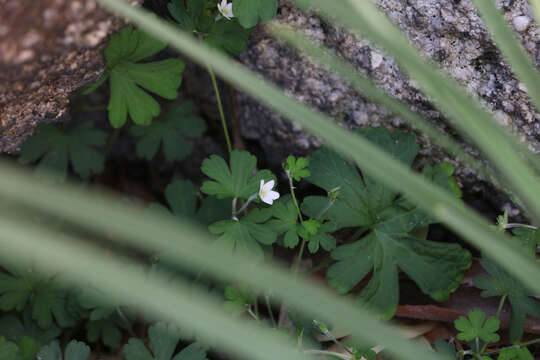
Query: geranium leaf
pixel 246 235
pixel 249 12
pixel 477 326
pixel 56 148
pixel 234 180
pixel 163 341
pixel 126 48
pixel 169 131
pixel 75 350
pixel 501 283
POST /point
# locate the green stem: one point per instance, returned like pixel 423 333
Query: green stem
pixel 291 186
pixel 125 319
pixel 252 314
pixel 525 344
pixel 501 303
pixel 299 260
pixel 326 208
pixel 513 225
pixel 221 112
pixel 499 310
pixel 270 313
pixel 256 306
pixel 330 353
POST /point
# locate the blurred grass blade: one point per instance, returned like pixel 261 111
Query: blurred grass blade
pixel 511 48
pixel 122 281
pixel 535 4
pixel 363 85
pixel 55 252
pixel 465 113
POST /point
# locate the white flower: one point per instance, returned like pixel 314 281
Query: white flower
pixel 225 9
pixel 266 194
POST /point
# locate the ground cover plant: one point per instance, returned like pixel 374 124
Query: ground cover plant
pixel 187 274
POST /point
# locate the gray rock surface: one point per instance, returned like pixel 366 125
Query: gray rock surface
pixel 449 32
pixel 48 50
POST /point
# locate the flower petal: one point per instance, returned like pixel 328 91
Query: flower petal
pixel 270 185
pixel 274 195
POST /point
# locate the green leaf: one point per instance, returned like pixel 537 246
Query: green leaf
pixel 364 202
pixel 127 76
pixel 24 286
pixel 476 326
pixel 237 298
pixel 235 181
pixel 442 175
pixel 163 341
pixel 285 221
pixel 170 131
pixel 188 17
pixel 28 336
pixel 57 147
pixel 445 348
pixel 228 35
pixel 248 12
pixel 361 201
pixel 181 195
pixel 245 236
pixel 512 353
pixel 108 330
pixel 501 283
pixel 195 351
pixel 8 350
pixel 322 238
pixel 75 350
pixel 437 268
pixel 297 167
pixel 529 239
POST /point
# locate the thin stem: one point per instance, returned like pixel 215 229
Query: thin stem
pixel 499 310
pixel 256 306
pixel 269 308
pixel 221 112
pixel 233 208
pixel 291 186
pixel 249 200
pixel 326 208
pixel 251 313
pixel 515 225
pixel 324 352
pixel 501 303
pixel 335 341
pixel 125 319
pixel 300 253
pixel 525 344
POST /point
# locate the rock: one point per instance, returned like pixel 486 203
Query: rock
pixel 48 50
pixel 521 23
pixel 448 32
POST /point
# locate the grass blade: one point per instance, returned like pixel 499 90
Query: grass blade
pixel 185 245
pixel 465 113
pixel 363 85
pixel 511 48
